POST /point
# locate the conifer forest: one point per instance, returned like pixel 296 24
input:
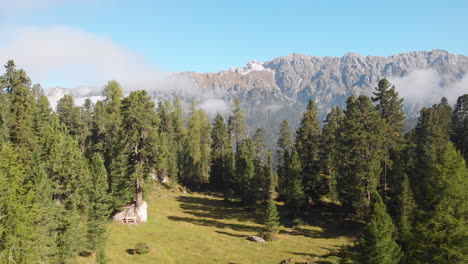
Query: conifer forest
pixel 66 173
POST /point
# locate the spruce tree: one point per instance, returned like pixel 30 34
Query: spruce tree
pixel 220 150
pixel 377 244
pixel 270 221
pixel 99 205
pixel 307 146
pixel 140 126
pixel 284 146
pixel 295 196
pixel 329 150
pixel 237 124
pixel 360 147
pixel 444 225
pixel 390 108
pixel 460 125
pixel 245 172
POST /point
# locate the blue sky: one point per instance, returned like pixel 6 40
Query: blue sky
pixel 208 35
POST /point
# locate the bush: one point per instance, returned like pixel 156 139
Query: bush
pixel 141 248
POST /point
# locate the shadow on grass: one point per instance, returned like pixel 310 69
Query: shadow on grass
pixel 302 254
pixel 230 234
pixel 210 207
pixel 214 223
pixel 130 251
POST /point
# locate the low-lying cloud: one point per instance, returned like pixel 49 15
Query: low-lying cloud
pixel 427 87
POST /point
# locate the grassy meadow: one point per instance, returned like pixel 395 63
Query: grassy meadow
pixel 203 228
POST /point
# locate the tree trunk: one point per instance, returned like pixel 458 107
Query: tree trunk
pixel 139 194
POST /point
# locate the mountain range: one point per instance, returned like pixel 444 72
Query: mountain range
pixel 281 88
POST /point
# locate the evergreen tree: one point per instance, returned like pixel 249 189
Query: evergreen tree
pixel 284 144
pixel 307 146
pixel 18 236
pixel 440 235
pixel 360 147
pixel 99 205
pixel 430 137
pixel 221 151
pixel 245 172
pixel 377 244
pixel 295 196
pixel 199 142
pixel 140 125
pixel 270 221
pixel 390 108
pixel 237 124
pixel 460 125
pixel 329 150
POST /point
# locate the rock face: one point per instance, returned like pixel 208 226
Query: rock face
pixel 280 89
pixel 130 211
pixel 256 239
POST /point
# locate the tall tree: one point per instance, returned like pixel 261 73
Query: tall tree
pixel 285 145
pixel 377 244
pixel 307 146
pixel 460 125
pixel 390 108
pixel 140 126
pixel 245 172
pixel 360 146
pixel 237 124
pixel 17 232
pixel 221 154
pixel 431 135
pixel 329 151
pixel 295 196
pixel 440 235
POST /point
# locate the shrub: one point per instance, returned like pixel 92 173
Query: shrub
pixel 141 248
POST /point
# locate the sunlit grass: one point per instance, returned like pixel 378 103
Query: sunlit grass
pixel 197 228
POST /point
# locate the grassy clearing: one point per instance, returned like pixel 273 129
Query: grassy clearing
pixel 199 228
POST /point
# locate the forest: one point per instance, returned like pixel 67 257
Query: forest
pixel 65 172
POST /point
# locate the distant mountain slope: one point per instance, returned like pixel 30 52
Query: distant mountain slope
pixel 280 88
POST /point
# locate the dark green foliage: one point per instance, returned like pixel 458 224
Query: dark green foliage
pixel 377 244
pixel 307 146
pixel 329 150
pixel 429 139
pixel 140 125
pixel 285 144
pixel 459 134
pixel 221 171
pixel 237 124
pixel 270 221
pixel 141 248
pixel 295 196
pixel 444 226
pixel 390 108
pixel 360 147
pixel 245 172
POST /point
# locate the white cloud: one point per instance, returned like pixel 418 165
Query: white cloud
pixel 215 106
pixel 427 87
pixel 59 55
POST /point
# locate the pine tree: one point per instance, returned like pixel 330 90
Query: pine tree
pixel 440 235
pixel 284 144
pixel 430 137
pixel 295 196
pixel 307 146
pixel 377 244
pixel 390 108
pixel 460 125
pixel 99 205
pixel 245 172
pixel 140 125
pixel 221 155
pixel 17 232
pixel 270 221
pixel 237 124
pixel 360 147
pixel 329 151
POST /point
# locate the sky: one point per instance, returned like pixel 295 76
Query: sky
pixel 85 42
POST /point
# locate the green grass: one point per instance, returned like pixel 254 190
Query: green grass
pixel 198 228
